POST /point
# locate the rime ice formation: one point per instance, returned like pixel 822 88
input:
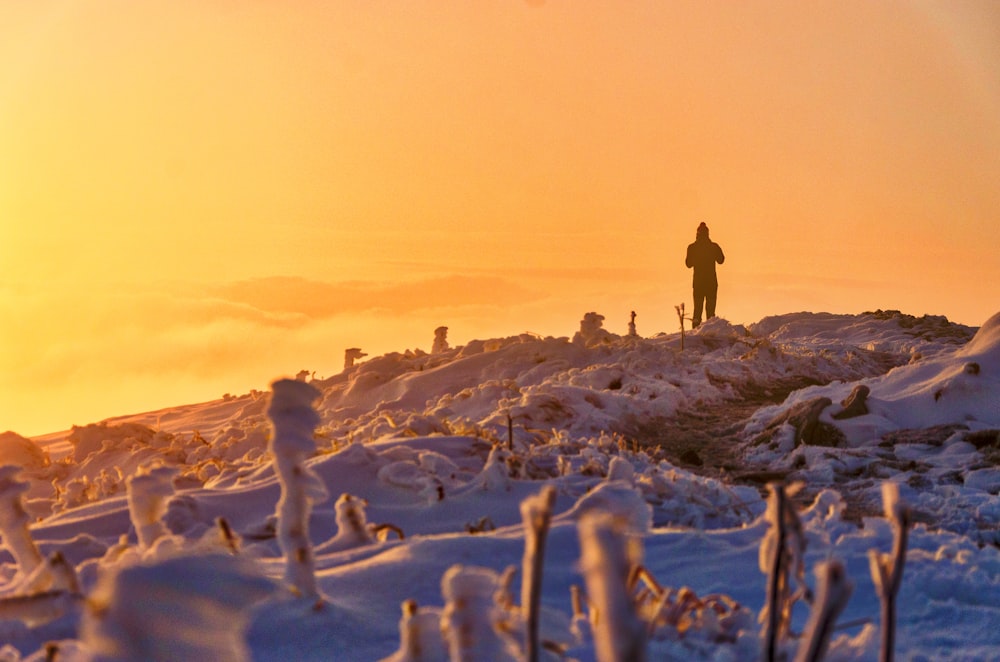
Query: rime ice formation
pixel 620 499
pixel 294 419
pixel 607 555
pixel 833 591
pixel 353 529
pixel 591 331
pixel 471 618
pixel 440 340
pixel 351 355
pixel 419 636
pixel 14 521
pixel 148 493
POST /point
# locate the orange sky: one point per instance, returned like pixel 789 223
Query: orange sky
pixel 199 196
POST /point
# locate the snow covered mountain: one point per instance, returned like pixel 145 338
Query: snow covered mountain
pixel 418 480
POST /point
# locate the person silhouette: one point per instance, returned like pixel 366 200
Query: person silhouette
pixel 702 256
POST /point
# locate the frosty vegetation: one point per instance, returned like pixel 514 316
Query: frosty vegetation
pixel 811 487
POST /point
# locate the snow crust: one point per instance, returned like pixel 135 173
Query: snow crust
pixel 409 480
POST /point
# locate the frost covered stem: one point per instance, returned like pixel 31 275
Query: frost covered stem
pixel 834 591
pixel 537 513
pixel 294 420
pixel 607 556
pixel 775 574
pixel 887 569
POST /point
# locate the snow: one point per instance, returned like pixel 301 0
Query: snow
pixel 378 513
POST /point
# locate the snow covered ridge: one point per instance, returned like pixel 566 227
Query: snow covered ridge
pixel 408 495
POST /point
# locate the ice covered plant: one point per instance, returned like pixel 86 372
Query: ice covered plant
pixel 294 419
pixel 14 521
pixel 536 511
pixel 833 592
pixel 440 340
pixel 471 616
pixel 148 492
pixel 782 555
pixel 495 475
pixel 419 636
pixel 353 529
pixel 608 552
pixel 887 569
pixel 183 608
pixel 580 626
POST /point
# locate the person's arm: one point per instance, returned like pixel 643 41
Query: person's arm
pixel 719 257
pixel 688 260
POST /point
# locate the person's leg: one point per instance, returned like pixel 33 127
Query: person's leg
pixel 711 293
pixel 699 302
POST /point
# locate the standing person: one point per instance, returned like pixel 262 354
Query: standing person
pixel 702 256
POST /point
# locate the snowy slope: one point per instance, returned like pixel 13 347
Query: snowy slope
pixel 678 442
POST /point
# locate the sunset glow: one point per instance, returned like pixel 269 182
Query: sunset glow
pixel 198 197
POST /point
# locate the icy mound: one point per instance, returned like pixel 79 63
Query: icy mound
pixel 881 331
pixel 958 387
pixel 961 388
pixel 932 426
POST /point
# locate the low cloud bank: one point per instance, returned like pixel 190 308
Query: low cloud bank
pixel 75 357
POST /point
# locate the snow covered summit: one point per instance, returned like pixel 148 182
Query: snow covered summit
pixel 418 463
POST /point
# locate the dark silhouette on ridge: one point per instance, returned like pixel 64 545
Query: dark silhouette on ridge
pixel 702 256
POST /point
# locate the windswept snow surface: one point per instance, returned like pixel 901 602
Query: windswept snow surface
pixel 419 444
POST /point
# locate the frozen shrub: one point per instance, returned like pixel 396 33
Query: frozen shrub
pixel 495 475
pixel 471 617
pixel 353 529
pixel 621 500
pixel 294 419
pixel 419 636
pixel 148 494
pixel 621 469
pixel 608 554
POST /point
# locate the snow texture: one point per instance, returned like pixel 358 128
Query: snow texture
pixel 398 482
